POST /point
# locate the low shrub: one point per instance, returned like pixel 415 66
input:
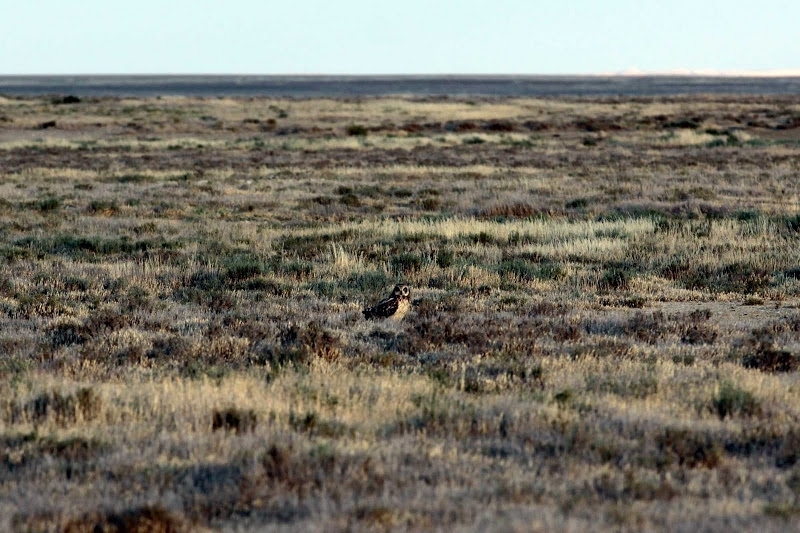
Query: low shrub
pixel 357 130
pixel 690 449
pixel 731 400
pixel 234 419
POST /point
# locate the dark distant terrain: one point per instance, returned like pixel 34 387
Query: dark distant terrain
pixel 354 86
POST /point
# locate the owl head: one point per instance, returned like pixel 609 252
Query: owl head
pixel 401 292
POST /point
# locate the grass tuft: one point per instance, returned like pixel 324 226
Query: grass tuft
pixel 233 419
pixel 730 400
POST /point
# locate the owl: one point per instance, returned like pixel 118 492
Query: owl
pixel 395 306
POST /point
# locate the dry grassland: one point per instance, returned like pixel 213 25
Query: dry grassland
pixel 604 334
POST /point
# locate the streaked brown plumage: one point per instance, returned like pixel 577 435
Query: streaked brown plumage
pixel 394 307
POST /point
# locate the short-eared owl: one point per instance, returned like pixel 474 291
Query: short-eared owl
pixel 395 306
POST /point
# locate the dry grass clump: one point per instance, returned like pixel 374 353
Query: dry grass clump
pixel 770 359
pixel 762 349
pixel 233 419
pixel 690 449
pixel 154 519
pixel 63 408
pixel 515 210
pixel 603 328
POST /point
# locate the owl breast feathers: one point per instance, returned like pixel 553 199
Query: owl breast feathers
pixel 394 307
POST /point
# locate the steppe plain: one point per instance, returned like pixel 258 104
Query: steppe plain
pixel 604 331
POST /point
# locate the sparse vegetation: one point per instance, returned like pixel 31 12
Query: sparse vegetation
pixel 356 129
pixel 603 334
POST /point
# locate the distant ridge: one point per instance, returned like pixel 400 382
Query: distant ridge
pixel 629 84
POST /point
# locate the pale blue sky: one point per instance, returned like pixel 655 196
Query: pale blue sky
pixel 397 37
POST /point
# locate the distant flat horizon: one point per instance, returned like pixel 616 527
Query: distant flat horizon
pixel 329 85
pixel 631 72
